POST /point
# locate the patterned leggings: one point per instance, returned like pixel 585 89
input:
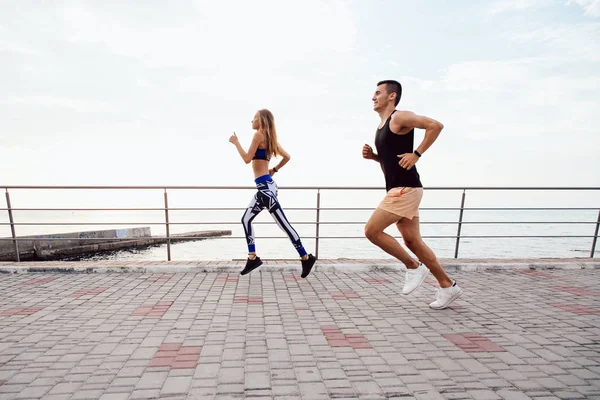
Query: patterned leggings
pixel 266 197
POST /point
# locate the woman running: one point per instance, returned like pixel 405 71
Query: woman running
pixel 264 145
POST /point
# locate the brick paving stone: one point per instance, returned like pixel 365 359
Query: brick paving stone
pixel 336 335
pixel 115 396
pixel 176 385
pixel 512 395
pixel 146 394
pixel 38 282
pixel 32 391
pixel 87 394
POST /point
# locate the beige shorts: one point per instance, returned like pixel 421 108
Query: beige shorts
pixel 403 201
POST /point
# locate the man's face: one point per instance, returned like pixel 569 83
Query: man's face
pixel 381 98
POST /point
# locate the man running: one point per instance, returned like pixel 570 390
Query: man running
pixel 394 141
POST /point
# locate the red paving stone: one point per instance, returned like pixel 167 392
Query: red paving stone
pixel 248 300
pixel 156 310
pixel 175 356
pixel 292 278
pixel 335 338
pixel 226 278
pixel 534 273
pixel 184 364
pixel 88 292
pixel 302 308
pixel 161 279
pixel 375 281
pixel 162 362
pixel 473 343
pixel 189 350
pixel 345 295
pixel 21 311
pixel 38 282
pixel 577 291
pixel 577 309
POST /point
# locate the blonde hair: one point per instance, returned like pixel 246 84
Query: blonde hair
pixel 266 123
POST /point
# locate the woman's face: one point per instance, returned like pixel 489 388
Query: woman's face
pixel 255 124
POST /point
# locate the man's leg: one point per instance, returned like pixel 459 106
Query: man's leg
pixel 409 229
pixel 374 231
pixel 449 290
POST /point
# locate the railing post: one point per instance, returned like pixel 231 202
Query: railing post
pixel 460 218
pixel 595 236
pixel 167 226
pixel 318 223
pixel 12 227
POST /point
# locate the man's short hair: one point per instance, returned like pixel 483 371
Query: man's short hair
pixel 393 87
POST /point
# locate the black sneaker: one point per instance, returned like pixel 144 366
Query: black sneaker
pixel 307 265
pixel 251 265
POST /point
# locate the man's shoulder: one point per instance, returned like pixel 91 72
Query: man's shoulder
pixel 402 114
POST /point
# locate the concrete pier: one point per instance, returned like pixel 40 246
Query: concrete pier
pixel 47 247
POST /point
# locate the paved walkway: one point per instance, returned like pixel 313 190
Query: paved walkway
pixel 514 334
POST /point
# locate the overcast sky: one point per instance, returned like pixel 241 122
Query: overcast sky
pixel 148 92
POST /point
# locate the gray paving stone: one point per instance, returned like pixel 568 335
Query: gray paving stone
pixel 176 385
pixel 95 347
pixel 115 396
pixel 151 380
pixel 63 388
pixel 87 394
pixel 149 394
pixel 483 395
pixel 30 391
pixel 512 395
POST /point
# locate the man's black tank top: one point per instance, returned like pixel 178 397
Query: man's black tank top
pixel 389 145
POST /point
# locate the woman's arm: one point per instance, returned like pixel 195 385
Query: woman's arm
pixel 247 156
pixel 285 157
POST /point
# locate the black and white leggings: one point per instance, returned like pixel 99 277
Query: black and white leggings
pixel 266 197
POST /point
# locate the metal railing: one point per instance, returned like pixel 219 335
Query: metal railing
pixel 318 209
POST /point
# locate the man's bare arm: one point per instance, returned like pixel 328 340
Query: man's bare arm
pixel 403 122
pixel 369 154
pixel 407 120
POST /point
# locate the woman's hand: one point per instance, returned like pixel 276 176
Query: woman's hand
pixel 234 139
pixel 271 172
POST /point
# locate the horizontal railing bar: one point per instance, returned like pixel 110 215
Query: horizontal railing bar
pixel 174 238
pixel 85 209
pixel 504 188
pixel 310 209
pixel 296 223
pixel 527 208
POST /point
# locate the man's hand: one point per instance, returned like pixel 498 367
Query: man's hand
pixel 408 160
pixel 234 139
pixel 367 152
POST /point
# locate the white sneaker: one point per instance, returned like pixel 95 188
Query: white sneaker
pixel 414 278
pixel 445 296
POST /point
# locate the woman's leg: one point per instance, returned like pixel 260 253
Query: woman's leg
pixel 270 200
pixel 254 208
